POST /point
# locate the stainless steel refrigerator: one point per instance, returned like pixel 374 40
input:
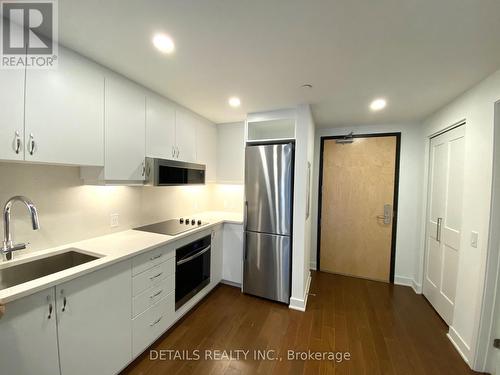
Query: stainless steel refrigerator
pixel 268 221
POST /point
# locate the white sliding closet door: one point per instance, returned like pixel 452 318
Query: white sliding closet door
pixel 444 220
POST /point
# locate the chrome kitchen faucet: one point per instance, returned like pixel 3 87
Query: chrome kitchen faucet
pixel 8 245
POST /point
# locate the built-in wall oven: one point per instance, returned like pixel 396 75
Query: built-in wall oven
pixel 192 270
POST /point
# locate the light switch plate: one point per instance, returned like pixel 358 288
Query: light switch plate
pixel 473 239
pixel 114 220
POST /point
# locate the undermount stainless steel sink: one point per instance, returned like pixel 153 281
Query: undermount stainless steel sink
pixel 35 269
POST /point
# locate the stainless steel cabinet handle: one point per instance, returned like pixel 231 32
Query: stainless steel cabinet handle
pixel 143 169
pixel 438 229
pixel 156 321
pixel 50 311
pixel 156 294
pixel 156 257
pixel 17 143
pixel 64 304
pixel 31 144
pixel 178 152
pixel 155 276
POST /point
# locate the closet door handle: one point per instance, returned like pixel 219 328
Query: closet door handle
pixel 438 229
pixel 31 144
pixel 17 142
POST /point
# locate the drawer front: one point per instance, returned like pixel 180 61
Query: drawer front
pixel 148 326
pixel 153 276
pixel 153 295
pixel 152 258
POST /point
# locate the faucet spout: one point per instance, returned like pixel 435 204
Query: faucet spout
pixel 8 245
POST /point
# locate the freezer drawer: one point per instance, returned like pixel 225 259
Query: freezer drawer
pixel 266 266
pixel 268 188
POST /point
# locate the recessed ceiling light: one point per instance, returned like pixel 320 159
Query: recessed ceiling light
pixel 306 86
pixel 163 43
pixel 234 102
pixel 378 104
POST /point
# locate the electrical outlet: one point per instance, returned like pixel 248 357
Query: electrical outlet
pixel 114 220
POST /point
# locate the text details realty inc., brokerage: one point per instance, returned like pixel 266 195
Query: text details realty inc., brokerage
pixel 244 354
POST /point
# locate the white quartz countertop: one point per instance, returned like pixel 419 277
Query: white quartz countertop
pixel 111 248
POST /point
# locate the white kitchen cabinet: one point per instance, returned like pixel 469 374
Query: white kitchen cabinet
pixel 231 153
pixel 11 115
pixel 160 128
pixel 206 148
pixel 185 135
pixel 216 255
pixel 28 336
pixel 125 130
pixel 94 325
pixel 64 120
pixel 232 257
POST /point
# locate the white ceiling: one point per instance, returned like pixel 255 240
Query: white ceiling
pixel 419 54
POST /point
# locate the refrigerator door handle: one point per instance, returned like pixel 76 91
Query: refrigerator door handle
pixel 245 214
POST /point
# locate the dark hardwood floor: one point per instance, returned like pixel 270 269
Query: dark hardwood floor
pixel 386 329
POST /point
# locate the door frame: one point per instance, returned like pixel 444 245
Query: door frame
pixel 395 200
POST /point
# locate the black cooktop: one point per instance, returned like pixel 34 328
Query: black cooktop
pixel 173 227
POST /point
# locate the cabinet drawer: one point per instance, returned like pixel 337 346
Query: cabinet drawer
pixel 152 295
pixel 152 258
pixel 148 326
pixel 153 276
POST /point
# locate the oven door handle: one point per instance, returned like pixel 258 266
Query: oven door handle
pixel 198 254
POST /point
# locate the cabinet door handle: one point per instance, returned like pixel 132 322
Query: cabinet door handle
pixel 155 257
pixel 173 152
pixel 438 229
pixel 178 152
pixel 156 321
pixel 156 294
pixel 17 142
pixel 143 169
pixel 50 311
pixel 155 276
pixel 31 144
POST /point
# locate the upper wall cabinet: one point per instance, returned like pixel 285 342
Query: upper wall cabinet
pixel 125 130
pixel 160 128
pixel 64 112
pixel 206 148
pixel 185 135
pixel 11 115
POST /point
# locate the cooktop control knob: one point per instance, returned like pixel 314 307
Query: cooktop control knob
pixel 199 222
pixel 187 221
pixel 193 221
pixel 181 220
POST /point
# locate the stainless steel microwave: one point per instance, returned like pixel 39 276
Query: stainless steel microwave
pixel 164 172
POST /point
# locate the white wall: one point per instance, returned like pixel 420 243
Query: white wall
pixel 70 211
pixel 231 153
pixel 408 240
pixel 477 107
pixel 304 152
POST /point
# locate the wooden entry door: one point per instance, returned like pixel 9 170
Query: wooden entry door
pixel 358 187
pixel 444 220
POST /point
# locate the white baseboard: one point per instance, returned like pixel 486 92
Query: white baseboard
pixel 402 280
pixel 300 304
pixel 313 265
pixel 462 348
pixel 407 281
pixel 230 283
pixel 416 287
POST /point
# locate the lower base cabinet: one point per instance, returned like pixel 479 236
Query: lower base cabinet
pixel 152 323
pixel 28 336
pixel 94 325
